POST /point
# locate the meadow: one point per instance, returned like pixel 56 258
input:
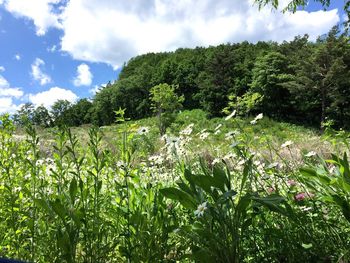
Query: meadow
pixel 209 190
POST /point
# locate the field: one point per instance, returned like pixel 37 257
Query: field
pixel 209 190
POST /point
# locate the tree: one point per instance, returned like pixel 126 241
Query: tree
pixel 270 72
pixel 217 80
pixel 41 117
pixel 60 114
pixel 165 103
pixel 24 114
pixel 80 112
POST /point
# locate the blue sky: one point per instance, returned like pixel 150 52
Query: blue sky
pixel 65 49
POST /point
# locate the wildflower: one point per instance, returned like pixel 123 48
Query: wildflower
pixel 200 209
pixel 259 117
pixel 302 196
pixel 231 115
pixel 217 132
pixel 305 208
pixel 291 182
pixel 218 127
pixel 188 130
pixel 229 135
pixel 121 164
pixel 270 190
pixel 273 165
pixel 143 130
pixel 204 135
pixel 202 131
pixel 310 154
pixel 1 122
pixel 215 161
pixel 287 144
pixel 253 122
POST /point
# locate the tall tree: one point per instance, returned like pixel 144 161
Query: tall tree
pixel 270 72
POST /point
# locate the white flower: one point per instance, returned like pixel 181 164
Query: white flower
pixel 143 130
pixel 259 117
pixel 218 127
pixel 310 154
pixel 200 209
pixel 253 122
pixel 202 131
pixel 215 161
pixel 188 130
pixel 229 135
pixel 204 135
pixel 287 144
pixel 231 115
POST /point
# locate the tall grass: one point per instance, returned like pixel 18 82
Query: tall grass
pixel 208 191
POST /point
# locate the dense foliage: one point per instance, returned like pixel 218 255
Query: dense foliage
pixel 214 190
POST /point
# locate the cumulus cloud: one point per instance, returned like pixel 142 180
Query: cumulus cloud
pixel 49 97
pixel 114 31
pixel 7 105
pixel 7 91
pixel 17 57
pixel 2 68
pixel 11 92
pixel 7 94
pixel 84 76
pixel 42 13
pixel 3 82
pixel 37 72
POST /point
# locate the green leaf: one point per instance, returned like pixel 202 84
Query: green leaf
pixel 306 246
pixel 220 178
pixel 43 204
pixel 313 175
pixel 272 202
pixel 73 188
pixel 59 209
pixel 175 194
pixel 226 196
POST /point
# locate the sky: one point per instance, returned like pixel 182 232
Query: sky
pixel 67 49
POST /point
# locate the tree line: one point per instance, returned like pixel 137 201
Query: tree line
pixel 299 81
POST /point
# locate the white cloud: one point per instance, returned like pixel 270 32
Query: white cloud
pixel 7 94
pixel 18 57
pixel 3 82
pixel 114 31
pixel 37 72
pixel 84 76
pixel 7 105
pixel 11 92
pixel 49 97
pixel 42 13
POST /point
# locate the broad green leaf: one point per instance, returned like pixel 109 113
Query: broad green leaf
pixel 175 194
pixel 73 188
